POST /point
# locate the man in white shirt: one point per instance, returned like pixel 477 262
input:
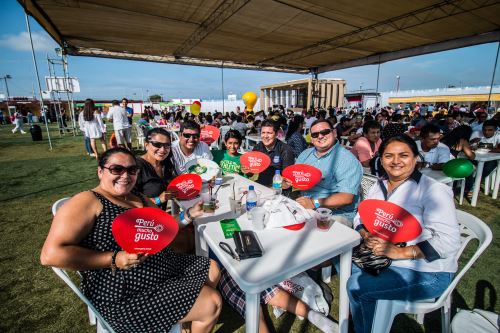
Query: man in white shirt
pixel 477 125
pixel 189 146
pixel 488 136
pixel 430 149
pixel 309 120
pixel 121 126
pixel 240 126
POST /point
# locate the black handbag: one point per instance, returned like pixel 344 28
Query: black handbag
pixel 247 244
pixel 364 258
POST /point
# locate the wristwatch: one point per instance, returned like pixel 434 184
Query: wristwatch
pixel 189 215
pixel 316 203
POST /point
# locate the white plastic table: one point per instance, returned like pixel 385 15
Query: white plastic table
pixel 481 158
pixel 437 175
pixel 286 254
pixel 224 209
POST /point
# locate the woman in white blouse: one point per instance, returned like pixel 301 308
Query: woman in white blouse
pixel 425 267
pixel 93 126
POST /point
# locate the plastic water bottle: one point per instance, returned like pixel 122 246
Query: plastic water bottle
pixel 277 183
pixel 251 200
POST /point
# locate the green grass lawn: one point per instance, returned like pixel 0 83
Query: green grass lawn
pixel 34 299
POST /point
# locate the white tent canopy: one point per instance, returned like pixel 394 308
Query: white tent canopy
pixel 298 36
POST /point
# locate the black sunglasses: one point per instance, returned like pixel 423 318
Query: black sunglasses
pixel 158 145
pixel 194 135
pixel 119 170
pixel 323 132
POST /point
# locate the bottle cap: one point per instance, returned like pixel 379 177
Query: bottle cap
pixel 251 188
pixel 276 172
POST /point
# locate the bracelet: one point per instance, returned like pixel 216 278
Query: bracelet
pixel 182 220
pixel 113 262
pixel 157 201
pixel 414 252
pixel 316 203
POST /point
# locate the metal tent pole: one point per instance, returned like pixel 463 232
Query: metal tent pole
pixel 493 77
pixel 378 77
pixel 222 74
pixel 38 78
pixel 69 93
pixel 57 107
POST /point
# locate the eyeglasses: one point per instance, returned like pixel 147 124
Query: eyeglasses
pixel 158 145
pixel 119 170
pixel 323 132
pixel 188 135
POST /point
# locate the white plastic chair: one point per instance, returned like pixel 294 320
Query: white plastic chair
pixel 94 315
pixel 140 136
pixel 470 228
pixel 102 324
pixel 489 182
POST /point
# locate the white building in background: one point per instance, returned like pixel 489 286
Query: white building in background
pixel 466 95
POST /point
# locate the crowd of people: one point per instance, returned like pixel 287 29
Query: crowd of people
pixel 177 286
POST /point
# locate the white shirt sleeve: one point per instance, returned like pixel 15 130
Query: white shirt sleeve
pixel 440 221
pixel 443 153
pixel 81 121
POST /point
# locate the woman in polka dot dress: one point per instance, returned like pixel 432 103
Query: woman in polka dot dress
pixel 134 292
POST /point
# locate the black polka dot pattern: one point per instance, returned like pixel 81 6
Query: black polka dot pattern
pixel 149 298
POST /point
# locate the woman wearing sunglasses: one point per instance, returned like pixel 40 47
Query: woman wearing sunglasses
pixel 171 287
pixel 157 169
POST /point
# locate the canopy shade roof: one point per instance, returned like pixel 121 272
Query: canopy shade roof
pixel 298 36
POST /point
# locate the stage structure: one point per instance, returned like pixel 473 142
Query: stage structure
pixel 303 94
pixel 57 85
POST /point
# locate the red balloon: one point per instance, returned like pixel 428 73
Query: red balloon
pixel 197 102
pixel 388 221
pixel 255 161
pixel 302 176
pixel 144 230
pixel 209 134
pixel 186 186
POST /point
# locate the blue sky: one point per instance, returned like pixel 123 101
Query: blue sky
pixel 109 78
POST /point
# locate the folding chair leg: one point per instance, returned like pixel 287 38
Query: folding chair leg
pixel 100 328
pixel 326 274
pixel 384 316
pixel 487 185
pixel 462 191
pixel 92 318
pixel 446 316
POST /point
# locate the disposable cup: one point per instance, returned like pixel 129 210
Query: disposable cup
pixel 258 218
pixel 323 218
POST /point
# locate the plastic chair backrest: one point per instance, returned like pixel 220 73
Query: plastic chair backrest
pixel 367 181
pixel 65 277
pixel 58 205
pixel 471 228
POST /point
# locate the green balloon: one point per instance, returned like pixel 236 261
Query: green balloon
pixel 458 168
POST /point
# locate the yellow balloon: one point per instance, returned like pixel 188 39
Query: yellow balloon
pixel 250 98
pixel 308 138
pixel 195 109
